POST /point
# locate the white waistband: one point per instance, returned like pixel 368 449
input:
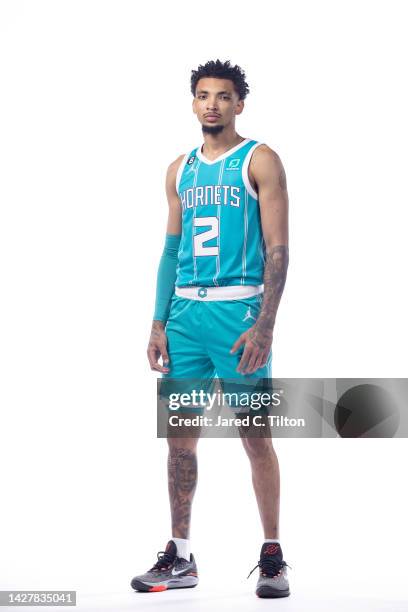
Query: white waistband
pixel 228 292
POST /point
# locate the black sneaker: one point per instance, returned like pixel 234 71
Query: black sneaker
pixel 169 572
pixel 273 580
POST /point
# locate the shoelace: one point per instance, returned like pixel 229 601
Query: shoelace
pixel 164 561
pixel 269 566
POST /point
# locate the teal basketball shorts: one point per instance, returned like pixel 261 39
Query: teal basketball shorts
pixel 200 335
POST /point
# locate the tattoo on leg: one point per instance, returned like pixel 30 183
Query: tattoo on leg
pixel 182 477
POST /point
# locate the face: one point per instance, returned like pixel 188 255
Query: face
pixel 216 103
pixel 186 476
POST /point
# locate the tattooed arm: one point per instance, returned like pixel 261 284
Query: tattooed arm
pixel 267 172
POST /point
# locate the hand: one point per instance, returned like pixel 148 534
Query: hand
pixel 158 347
pixel 256 351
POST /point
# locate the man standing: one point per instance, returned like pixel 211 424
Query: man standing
pixel 220 281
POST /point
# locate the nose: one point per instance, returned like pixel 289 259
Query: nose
pixel 211 104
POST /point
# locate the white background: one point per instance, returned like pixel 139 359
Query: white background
pixel 95 103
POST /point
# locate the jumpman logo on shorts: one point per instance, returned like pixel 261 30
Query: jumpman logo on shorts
pixel 249 315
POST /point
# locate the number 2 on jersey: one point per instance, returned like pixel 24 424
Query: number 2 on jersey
pixel 199 248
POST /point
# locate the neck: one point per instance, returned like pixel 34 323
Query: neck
pixel 215 144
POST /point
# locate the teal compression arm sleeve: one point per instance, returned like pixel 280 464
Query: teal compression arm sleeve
pixel 166 277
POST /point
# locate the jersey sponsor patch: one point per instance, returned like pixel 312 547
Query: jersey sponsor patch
pixel 233 164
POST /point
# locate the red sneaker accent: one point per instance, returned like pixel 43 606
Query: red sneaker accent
pixel 272 549
pixel 159 587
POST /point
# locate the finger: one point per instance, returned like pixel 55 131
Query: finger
pixel 237 343
pixel 158 368
pixel 252 362
pixel 165 358
pixel 262 362
pixel 153 354
pixel 244 359
pixel 257 363
pixel 165 355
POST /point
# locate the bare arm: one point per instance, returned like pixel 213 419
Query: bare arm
pixel 174 214
pixel 267 171
pixel 269 174
pixel 158 341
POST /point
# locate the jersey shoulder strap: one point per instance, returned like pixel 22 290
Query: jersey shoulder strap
pixel 252 145
pixel 188 159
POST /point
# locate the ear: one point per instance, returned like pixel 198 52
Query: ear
pixel 193 106
pixel 239 107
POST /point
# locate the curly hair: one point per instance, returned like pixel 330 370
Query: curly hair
pixel 221 70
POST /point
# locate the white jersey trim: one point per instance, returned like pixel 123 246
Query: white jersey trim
pixel 203 158
pixel 245 175
pixel 219 208
pixel 210 294
pixel 180 171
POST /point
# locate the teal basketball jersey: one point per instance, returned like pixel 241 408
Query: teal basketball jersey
pixel 222 241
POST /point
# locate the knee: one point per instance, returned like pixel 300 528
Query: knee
pixel 258 449
pixel 183 444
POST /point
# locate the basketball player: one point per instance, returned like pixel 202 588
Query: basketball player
pixel 220 281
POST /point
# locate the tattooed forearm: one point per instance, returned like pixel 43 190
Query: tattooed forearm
pixel 276 265
pixel 156 332
pixel 182 476
pixel 157 326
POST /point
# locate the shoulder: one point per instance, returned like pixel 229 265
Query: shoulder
pixel 173 168
pixel 264 154
pixel 265 161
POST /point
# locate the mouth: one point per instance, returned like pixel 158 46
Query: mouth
pixel 211 117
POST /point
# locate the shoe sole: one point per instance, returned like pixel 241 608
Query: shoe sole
pixel 138 585
pixel 266 591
